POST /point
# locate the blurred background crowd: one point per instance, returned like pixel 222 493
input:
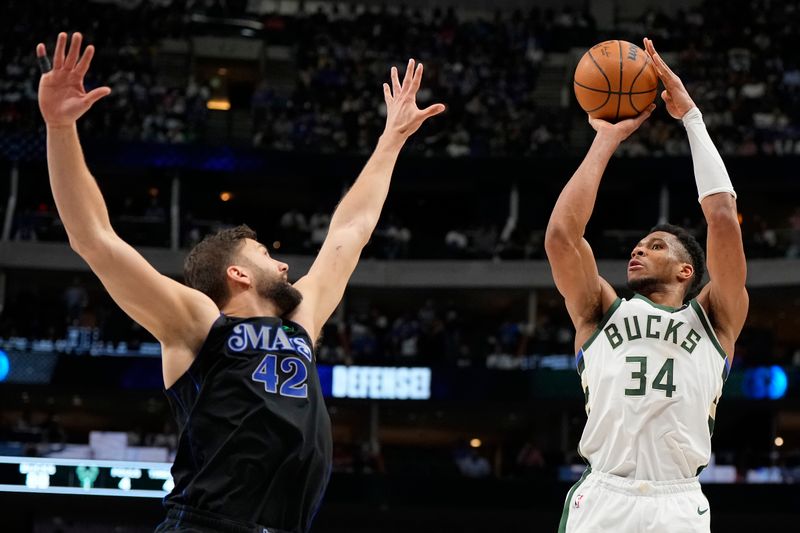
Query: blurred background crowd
pixel 262 112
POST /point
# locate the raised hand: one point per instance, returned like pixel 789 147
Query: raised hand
pixel 62 98
pixel 624 128
pixel 675 94
pixel 403 117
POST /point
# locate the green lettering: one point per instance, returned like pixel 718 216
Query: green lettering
pixel 672 330
pixel 638 335
pixel 691 341
pixel 612 333
pixel 663 379
pixel 650 320
pixel 641 375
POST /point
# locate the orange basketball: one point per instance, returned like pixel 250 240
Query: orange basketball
pixel 615 80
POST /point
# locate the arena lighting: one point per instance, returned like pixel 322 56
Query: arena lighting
pixel 778 382
pixel 778 441
pixel 765 383
pixel 475 443
pixel 5 365
pixel 219 104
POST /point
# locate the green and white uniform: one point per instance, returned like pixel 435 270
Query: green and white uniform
pixel 652 376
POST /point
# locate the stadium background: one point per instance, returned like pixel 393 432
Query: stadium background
pixel 263 112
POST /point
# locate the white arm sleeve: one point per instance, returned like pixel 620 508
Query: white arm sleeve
pixel 709 170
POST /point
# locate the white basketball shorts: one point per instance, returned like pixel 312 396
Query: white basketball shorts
pixel 603 503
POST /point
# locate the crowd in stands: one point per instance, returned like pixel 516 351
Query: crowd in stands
pixel 79 318
pixel 436 333
pixel 484 70
pixel 145 107
pixel 34 432
pixel 737 62
pixel 144 222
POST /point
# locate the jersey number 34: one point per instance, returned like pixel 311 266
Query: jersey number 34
pixel 294 385
pixel 662 381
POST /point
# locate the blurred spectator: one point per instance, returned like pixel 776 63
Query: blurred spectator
pixel 793 251
pixel 76 299
pixel 25 227
pixel 472 464
pixel 53 435
pixel 294 230
pixel 485 68
pixel 530 460
pixel 456 242
pixel 368 459
pixel 405 336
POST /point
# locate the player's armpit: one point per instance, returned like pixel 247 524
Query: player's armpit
pixel 586 294
pixel 323 287
pixel 727 311
pixel 172 312
pixel 725 297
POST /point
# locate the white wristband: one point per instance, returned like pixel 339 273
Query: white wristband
pixel 709 170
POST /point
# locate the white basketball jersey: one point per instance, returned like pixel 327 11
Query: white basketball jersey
pixel 652 376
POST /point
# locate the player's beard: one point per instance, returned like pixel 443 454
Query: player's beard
pixel 644 286
pixel 281 293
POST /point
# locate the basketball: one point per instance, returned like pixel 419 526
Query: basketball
pixel 615 80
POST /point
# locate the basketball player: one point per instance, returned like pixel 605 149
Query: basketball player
pixel 652 367
pixel 254 452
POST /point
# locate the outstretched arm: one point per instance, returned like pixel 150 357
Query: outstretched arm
pixel 724 297
pixel 586 294
pixel 357 214
pixel 176 315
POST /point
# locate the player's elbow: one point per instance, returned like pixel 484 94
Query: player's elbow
pixel 356 230
pixel 557 239
pixel 723 217
pixel 720 209
pixel 78 246
pixel 87 247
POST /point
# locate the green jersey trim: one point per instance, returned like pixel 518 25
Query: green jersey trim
pixel 606 317
pixel 701 313
pixel 659 306
pixel 562 525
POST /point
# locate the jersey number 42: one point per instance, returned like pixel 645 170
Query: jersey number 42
pixel 294 385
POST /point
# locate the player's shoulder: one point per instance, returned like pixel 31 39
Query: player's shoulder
pixel 726 313
pixel 596 315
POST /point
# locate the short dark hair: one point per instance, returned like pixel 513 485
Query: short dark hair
pixel 694 255
pixel 204 268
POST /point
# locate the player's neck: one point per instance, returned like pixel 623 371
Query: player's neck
pixel 247 304
pixel 665 296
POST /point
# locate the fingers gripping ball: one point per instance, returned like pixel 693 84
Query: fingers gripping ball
pixel 615 80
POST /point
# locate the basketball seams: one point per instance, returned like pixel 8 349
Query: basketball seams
pixel 596 64
pixel 592 93
pixel 608 82
pixel 582 86
pixel 631 93
pixel 608 97
pixel 619 97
